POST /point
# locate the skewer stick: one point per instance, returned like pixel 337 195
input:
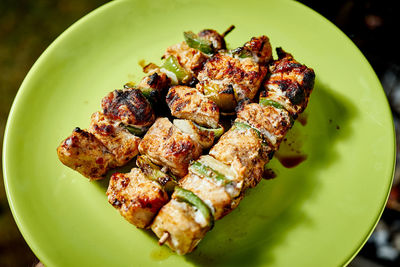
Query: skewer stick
pixel 228 30
pixel 163 238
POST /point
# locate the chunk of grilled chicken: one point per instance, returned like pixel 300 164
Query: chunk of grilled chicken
pixel 192 60
pixel 155 85
pixel 128 106
pixel 137 198
pixel 244 150
pixel 290 83
pixel 188 103
pixel 259 48
pixel 180 226
pixel 225 74
pixel 115 137
pixel 217 40
pixel 273 123
pixel 83 152
pixel 168 146
pixel 155 79
pixel 219 197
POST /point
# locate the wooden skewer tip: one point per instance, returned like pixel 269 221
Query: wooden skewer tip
pixel 228 30
pixel 163 238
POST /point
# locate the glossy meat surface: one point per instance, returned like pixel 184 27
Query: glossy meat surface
pixel 83 152
pixel 188 103
pixel 137 198
pixel 115 137
pixel 168 146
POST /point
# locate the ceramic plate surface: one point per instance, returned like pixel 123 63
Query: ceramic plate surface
pixel 319 213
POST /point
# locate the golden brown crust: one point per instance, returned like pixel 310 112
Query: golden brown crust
pixel 156 80
pixel 188 103
pixel 115 137
pixel 225 72
pixel 245 151
pixel 178 220
pixel 137 198
pixel 190 59
pixel 273 123
pixel 83 152
pixel 166 145
pixel 260 48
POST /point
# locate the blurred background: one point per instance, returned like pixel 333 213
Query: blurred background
pixel 28 27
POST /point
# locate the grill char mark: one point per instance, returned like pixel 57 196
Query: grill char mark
pixel 128 106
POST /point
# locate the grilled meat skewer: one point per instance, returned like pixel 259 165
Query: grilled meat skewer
pixel 112 138
pixel 263 136
pixel 231 77
pixel 171 146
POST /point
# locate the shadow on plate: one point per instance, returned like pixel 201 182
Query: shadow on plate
pixel 262 223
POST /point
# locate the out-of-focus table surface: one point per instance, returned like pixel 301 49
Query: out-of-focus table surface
pixel 28 27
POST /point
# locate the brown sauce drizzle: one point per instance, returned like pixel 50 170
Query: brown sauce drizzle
pixel 291 161
pixel 303 119
pixel 290 153
pixel 269 174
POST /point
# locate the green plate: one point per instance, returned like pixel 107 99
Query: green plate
pixel 317 214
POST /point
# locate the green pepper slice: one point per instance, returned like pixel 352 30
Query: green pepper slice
pixel 217 131
pixel 154 173
pixel 244 126
pixel 172 64
pixel 192 199
pixel 206 171
pixel 268 102
pixel 138 131
pixel 241 52
pixel 195 42
pixel 149 93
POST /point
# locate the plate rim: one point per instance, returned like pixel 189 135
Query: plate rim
pixel 21 91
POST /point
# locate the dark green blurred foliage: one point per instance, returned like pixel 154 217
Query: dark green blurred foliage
pixel 26 29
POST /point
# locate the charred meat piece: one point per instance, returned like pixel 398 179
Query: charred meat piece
pixel 192 53
pixel 273 123
pixel 155 85
pixel 128 106
pixel 137 198
pixel 115 137
pixel 216 40
pixel 188 103
pixel 290 83
pixel 156 80
pixel 224 75
pixel 168 146
pixel 245 151
pixel 192 60
pixel 258 48
pixel 180 225
pixel 83 152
